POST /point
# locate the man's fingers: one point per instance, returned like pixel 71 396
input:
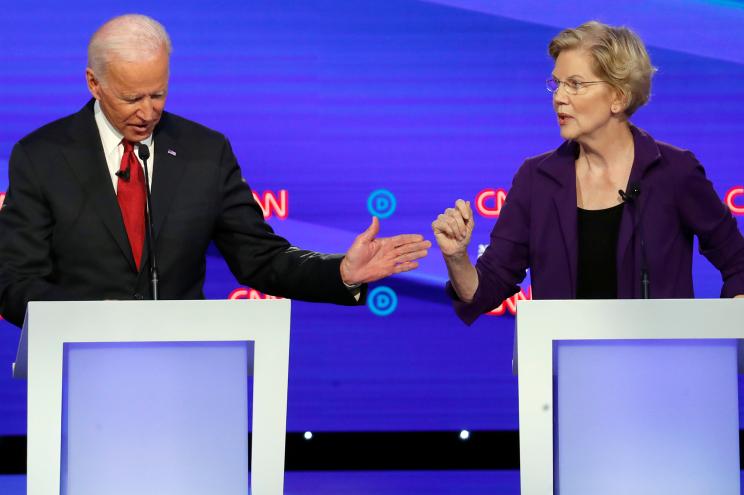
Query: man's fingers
pixel 405 267
pixel 411 247
pixel 372 230
pixel 414 255
pixel 402 239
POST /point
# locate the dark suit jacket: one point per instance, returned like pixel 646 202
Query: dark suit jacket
pixel 62 236
pixel 537 229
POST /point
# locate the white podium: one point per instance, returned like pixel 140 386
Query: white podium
pixel 155 397
pixel 631 396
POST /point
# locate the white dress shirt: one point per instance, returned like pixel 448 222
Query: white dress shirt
pixel 113 148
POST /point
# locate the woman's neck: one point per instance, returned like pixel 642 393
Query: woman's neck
pixel 609 148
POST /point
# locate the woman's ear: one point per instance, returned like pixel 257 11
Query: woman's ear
pixel 619 102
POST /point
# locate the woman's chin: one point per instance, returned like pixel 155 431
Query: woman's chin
pixel 567 133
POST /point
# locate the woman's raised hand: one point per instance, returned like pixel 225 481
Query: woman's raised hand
pixel 453 228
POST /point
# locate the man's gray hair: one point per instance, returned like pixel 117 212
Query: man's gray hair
pixel 129 38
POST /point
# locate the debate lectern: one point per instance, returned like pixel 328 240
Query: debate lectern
pixel 155 397
pixel 629 396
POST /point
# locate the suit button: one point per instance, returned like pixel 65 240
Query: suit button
pixel 138 296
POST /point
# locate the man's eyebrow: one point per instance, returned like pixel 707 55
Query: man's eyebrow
pixel 137 96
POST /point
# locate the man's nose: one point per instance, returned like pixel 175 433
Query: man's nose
pixel 146 110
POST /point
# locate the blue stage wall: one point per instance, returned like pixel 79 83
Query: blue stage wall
pixel 339 109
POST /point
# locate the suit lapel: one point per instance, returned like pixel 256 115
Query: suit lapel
pixel 86 158
pixel 561 167
pixel 646 156
pixel 168 168
pixel 167 174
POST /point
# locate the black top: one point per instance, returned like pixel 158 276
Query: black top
pixel 597 266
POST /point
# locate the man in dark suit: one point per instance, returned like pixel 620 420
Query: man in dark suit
pixel 72 226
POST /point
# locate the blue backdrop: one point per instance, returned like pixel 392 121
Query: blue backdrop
pixel 338 109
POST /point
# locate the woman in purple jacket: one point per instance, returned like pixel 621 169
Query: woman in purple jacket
pixel 609 214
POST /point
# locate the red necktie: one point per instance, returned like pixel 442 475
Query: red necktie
pixel 131 196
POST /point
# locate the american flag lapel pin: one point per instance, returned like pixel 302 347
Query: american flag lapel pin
pixel 171 152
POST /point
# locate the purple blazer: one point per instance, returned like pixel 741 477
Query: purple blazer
pixel 537 229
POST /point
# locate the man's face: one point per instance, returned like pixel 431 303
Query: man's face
pixel 132 94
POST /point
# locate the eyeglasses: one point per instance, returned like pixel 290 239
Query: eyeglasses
pixel 573 87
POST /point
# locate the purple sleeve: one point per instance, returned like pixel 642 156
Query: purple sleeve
pixel 707 216
pixel 503 265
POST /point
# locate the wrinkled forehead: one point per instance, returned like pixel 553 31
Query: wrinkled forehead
pixel 139 76
pixel 132 55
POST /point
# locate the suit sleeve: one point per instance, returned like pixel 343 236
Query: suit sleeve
pixel 504 263
pixel 265 261
pixel 26 269
pixel 707 216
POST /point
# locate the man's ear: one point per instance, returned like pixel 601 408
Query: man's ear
pixel 94 85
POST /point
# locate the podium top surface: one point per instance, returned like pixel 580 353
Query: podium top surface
pixel 151 321
pixel 540 322
pixel 633 319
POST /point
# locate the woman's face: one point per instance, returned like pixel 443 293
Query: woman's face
pixel 582 115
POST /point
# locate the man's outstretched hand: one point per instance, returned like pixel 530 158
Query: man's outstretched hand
pixel 371 258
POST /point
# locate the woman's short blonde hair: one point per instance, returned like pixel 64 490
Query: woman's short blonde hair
pixel 619 57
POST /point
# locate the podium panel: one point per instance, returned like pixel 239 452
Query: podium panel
pixel 647 417
pixel 155 396
pixel 657 415
pixel 156 417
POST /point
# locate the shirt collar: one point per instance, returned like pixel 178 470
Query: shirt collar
pixel 110 136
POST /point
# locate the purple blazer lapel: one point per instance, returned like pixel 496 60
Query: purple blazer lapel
pixel 646 156
pixel 561 168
